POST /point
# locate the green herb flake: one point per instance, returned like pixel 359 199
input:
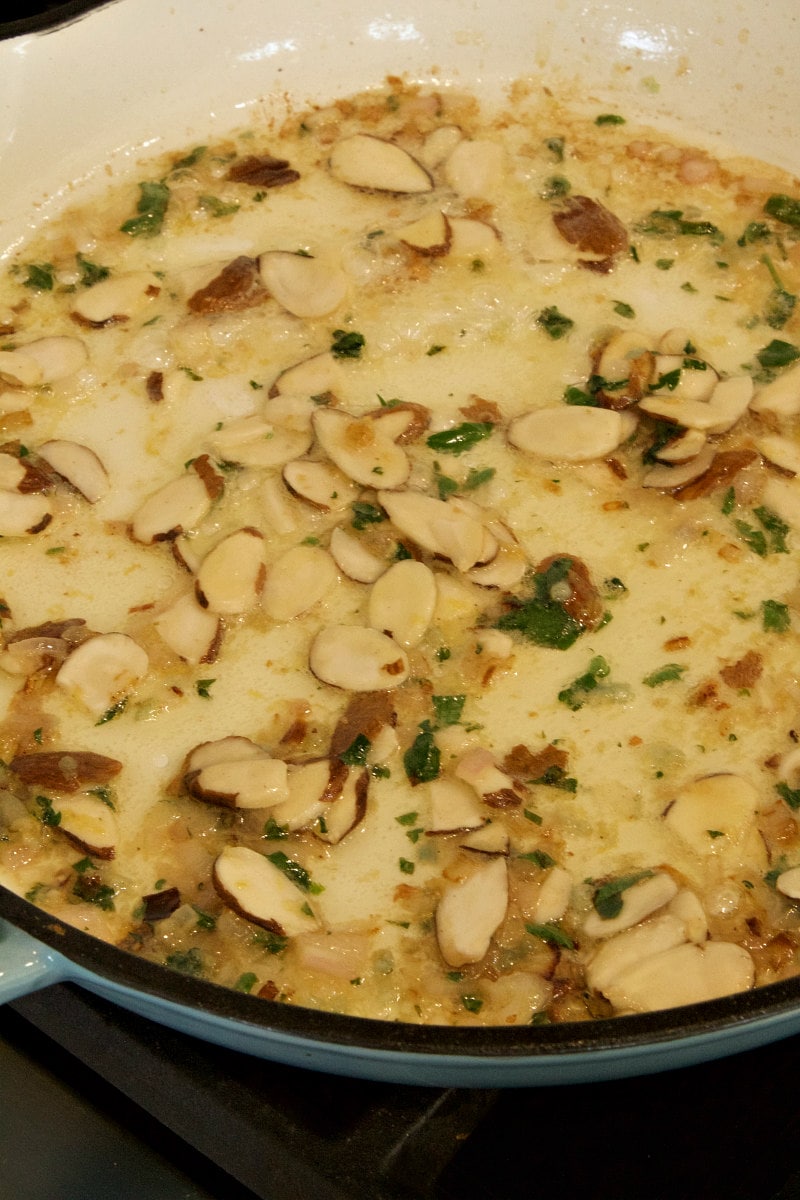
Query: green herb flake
pixel 292 870
pixel 554 323
pixel 783 208
pixel 607 899
pixel 671 223
pixel 246 982
pixel 406 866
pixel 203 687
pixel 409 818
pixel 472 1004
pixel 541 618
pixel 151 210
pixel 755 231
pixel 347 344
pixel 609 119
pixel 448 709
pixel 555 188
pixel 216 207
pixel 435 349
pixel 552 935
pixel 91 273
pixel 556 777
pixel 115 711
pixel 775 617
pixel 665 674
pixel 555 145
pixel 540 858
pixel 188 962
pixel 205 920
pixel 530 815
pixel 40 277
pixel 356 753
pixel 189 160
pixel 778 354
pixel 273 943
pixel 365 514
pixel 37 736
pixel 460 438
pixel 422 760
pixel 92 890
pixel 83 865
pixel 575 695
pixel 624 310
pixel 47 814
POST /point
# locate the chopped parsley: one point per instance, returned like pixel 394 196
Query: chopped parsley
pixel 778 354
pixel 665 674
pixel 245 982
pixel 347 344
pixel 576 694
pixel 47 814
pixel 217 207
pixel 151 210
pixel 274 832
pixel 671 223
pixel 784 209
pixel 542 618
pixel 365 514
pixel 552 935
pixel 555 324
pixel 292 870
pixel 461 437
pixel 607 899
pixel 91 273
pixel 188 962
pixel 422 760
pixel 203 687
pixel 406 866
pixel 39 277
pixel 356 753
pixel 775 617
pixel 448 709
pixel 539 858
pixel 609 119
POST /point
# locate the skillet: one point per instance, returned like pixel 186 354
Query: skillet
pixel 723 69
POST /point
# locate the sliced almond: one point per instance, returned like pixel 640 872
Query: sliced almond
pixel 12 472
pixel 638 902
pixel 694 382
pixel 79 465
pixel 259 891
pixel 781 396
pixel 725 404
pixel 373 164
pixel 253 782
pixel 255 441
pixel 403 423
pixel 439 144
pixel 358 448
pixel 492 838
pixel 277 506
pixel 353 558
pixel 472 239
pixel 90 824
pixel 430 235
pixel 470 912
pixel 675 341
pixel 454 806
pixel 569 433
pixel 304 286
pixel 726 803
pixel 684 447
pixel 117 298
pixel 233 748
pixel 668 477
pixel 23 514
pixel 450 528
pixel 686 974
pixel 320 484
pixel 298 580
pixel 687 908
pixel 312 788
pixel 478 768
pixel 231 575
pixel 177 507
pixel 553 897
pixel 45 360
pixel 788 883
pixel 402 602
pixel 20 369
pixel 782 452
pixel 618 353
pixel 475 168
pixel 316 376
pixel 348 811
pixel 191 631
pixel 358 659
pixel 103 670
pixel 505 570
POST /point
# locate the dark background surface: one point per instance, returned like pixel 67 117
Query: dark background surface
pixel 170 1118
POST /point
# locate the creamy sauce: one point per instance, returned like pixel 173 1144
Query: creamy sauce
pixel 641 779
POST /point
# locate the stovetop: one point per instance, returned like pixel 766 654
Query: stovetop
pixel 98 1103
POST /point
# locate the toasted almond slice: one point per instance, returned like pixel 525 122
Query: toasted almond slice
pixel 316 376
pixel 304 286
pixel 320 484
pixel 553 897
pixel 694 382
pixel 505 570
pixel 298 580
pixel 564 433
pixel 358 448
pixel 117 298
pixel 683 448
pixel 726 803
pixel 618 353
pixel 675 341
pixel 20 369
pixel 344 814
pixel 231 575
pixel 472 239
pixel 403 423
pixel 312 787
pixel 402 602
pixel 788 883
pixel 353 558
pixel 12 472
pixel 729 401
pixel 475 168
pixel 470 912
pixel 454 806
pixel 491 839
pixel 253 782
pixel 376 165
pixel 781 451
pixel 65 770
pixel 686 974
pixel 233 748
pixel 638 902
pixel 277 506
pixel 781 396
pixel 439 144
pixel 79 465
pixel 177 507
pixel 430 235
pixel 259 891
pixel 23 514
pixel 478 768
pixel 633 946
pixel 687 908
pixel 192 632
pixel 450 528
pixel 358 659
pixel 255 441
pixel 669 478
pixel 90 824
pixel 103 670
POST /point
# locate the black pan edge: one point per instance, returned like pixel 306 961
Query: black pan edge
pixel 50 18
pixel 122 968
